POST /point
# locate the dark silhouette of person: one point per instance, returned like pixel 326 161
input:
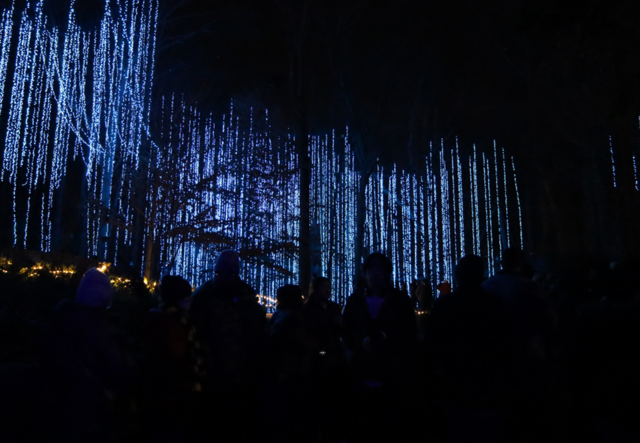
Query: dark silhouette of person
pixel 601 358
pixel 86 367
pixel 329 371
pixel 174 370
pixel 424 301
pixel 380 331
pixel 472 341
pixel 233 325
pixel 323 322
pixel 288 343
pixel 289 353
pixel 525 301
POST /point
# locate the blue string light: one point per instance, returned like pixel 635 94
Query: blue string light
pixel 613 163
pixel 235 178
pixel 515 182
pixel 635 172
pixel 462 251
pixel 506 198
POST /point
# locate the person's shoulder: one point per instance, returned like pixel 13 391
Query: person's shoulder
pixel 356 297
pixel 203 290
pixel 277 315
pixel 491 281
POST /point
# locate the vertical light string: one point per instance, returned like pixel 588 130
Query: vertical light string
pixel 453 175
pixel 635 172
pixel 6 33
pixel 496 178
pixel 460 191
pixel 506 198
pixel 515 182
pixel 488 213
pixel 476 204
pixel 613 163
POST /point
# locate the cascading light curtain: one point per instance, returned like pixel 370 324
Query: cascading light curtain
pixel 201 185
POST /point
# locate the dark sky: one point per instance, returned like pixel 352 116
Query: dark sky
pixel 479 69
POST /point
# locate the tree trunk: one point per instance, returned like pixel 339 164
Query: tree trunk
pixel 361 219
pixel 299 82
pixel 400 264
pixel 112 244
pixel 305 219
pixel 426 216
pixel 387 211
pixel 149 247
pixel 416 240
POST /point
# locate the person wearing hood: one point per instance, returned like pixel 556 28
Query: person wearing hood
pixel 85 365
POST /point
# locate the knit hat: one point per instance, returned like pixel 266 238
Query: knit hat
pixel 228 262
pixel 95 289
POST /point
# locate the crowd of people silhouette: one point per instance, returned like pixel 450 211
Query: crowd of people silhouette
pixel 520 356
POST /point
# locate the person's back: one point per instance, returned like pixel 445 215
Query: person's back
pixel 174 371
pixel 329 378
pixel 381 346
pixel 231 322
pixel 380 330
pixel 233 326
pixel 85 365
pixel 475 347
pixel 323 322
pixel 289 353
pixel 287 336
pixel 524 300
pixel 602 358
pixel 471 337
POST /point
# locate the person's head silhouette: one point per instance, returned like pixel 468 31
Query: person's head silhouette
pixel 469 271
